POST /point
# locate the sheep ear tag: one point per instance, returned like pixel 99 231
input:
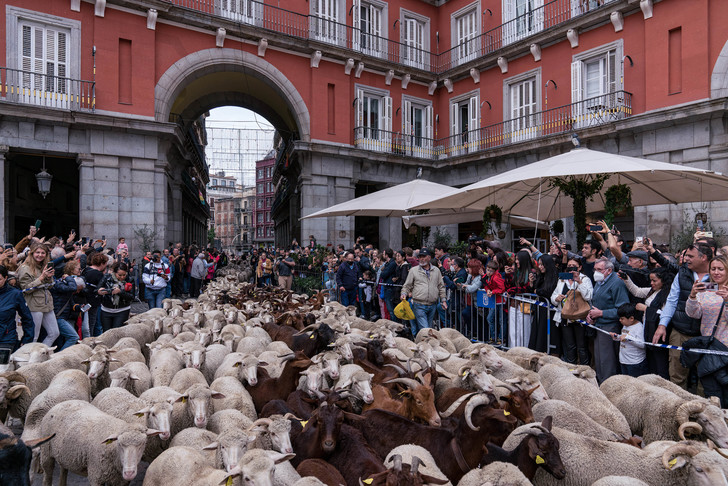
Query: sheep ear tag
pixel 229 481
pixel 507 413
pixel 672 463
pixel 312 336
pixel 303 423
pixel 539 460
pixel 465 374
pixel 368 481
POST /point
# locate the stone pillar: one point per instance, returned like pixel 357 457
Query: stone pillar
pixel 390 233
pixel 4 173
pixel 86 195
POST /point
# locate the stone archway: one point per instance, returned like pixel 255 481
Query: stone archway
pixel 719 78
pixel 288 109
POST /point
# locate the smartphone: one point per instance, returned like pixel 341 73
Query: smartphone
pixel 595 227
pixel 707 234
pixel 711 287
pixel 638 239
pixel 8 246
pixel 85 308
pixel 49 265
pixel 37 223
pixel 700 225
pixel 84 240
pixel 566 276
pixel 5 355
pixel 103 237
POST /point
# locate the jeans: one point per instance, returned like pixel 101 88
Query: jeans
pixel 155 297
pixel 47 320
pixel 635 370
pixel 424 315
pixel 495 320
pixel 348 297
pixel 362 307
pixel 186 284
pixel 85 331
pixel 443 316
pixel 68 333
pixel 195 286
pixel 112 320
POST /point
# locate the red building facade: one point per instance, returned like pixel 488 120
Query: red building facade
pixel 363 93
pixel 263 225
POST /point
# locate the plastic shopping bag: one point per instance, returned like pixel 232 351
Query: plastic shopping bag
pixel 404 311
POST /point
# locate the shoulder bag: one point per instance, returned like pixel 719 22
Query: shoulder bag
pixel 574 307
pixel 706 363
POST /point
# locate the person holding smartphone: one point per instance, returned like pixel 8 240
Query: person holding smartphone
pixel 35 276
pixel 573 338
pixel 64 307
pixel 117 297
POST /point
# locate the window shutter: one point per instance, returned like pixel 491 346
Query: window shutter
pixel 537 16
pixel 376 19
pixel 356 23
pixel 387 115
pixel 428 127
pixel 474 125
pixel 359 116
pixel 611 73
pixel 407 118
pixel 509 28
pixel 576 82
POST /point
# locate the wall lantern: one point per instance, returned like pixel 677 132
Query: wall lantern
pixel 44 180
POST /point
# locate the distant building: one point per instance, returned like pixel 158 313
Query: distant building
pixel 264 192
pixel 225 197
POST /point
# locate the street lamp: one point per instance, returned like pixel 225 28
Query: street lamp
pixel 44 181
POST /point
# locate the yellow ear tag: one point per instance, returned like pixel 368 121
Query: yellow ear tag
pixel 371 337
pixel 672 463
pixel 312 337
pixel 184 400
pixel 107 442
pixel 368 481
pixel 465 373
pixel 229 481
pixel 507 413
pixel 237 365
pixel 139 414
pixel 572 370
pixel 539 460
pixel 303 423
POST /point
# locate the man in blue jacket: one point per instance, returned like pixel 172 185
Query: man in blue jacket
pixel 12 301
pixel 610 292
pixel 385 277
pixel 347 278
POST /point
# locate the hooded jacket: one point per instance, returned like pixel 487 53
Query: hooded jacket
pixel 12 301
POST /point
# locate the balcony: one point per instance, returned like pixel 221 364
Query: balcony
pixel 589 113
pixel 39 89
pixel 309 27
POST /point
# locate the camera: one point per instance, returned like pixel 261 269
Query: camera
pixel 595 228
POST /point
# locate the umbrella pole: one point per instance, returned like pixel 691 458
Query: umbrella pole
pixel 538 210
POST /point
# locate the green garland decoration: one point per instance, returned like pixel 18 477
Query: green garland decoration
pixel 497 215
pixel 580 189
pixel 557 226
pixel 617 198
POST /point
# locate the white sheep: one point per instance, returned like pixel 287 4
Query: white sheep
pixel 163 365
pixel 495 474
pixel 226 448
pixel 352 377
pixel 185 378
pixel 258 467
pixel 619 481
pixel 228 419
pixel 134 377
pixel 427 464
pixel 193 407
pixel 236 397
pixel 31 353
pixel 183 465
pixel 90 442
pixel 655 413
pixel 561 384
pixel 569 417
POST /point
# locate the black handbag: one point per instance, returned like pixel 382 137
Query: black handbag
pixel 706 363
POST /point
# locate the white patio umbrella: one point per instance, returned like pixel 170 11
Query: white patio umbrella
pixel 527 190
pixel 389 202
pixel 466 216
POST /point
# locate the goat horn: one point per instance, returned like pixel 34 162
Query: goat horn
pixel 14 376
pixel 508 387
pixel 289 415
pixel 692 427
pixel 261 421
pixel 397 460
pixel 416 461
pixel 399 369
pixel 306 329
pixel 470 407
pixel 456 404
pixel 676 450
pixel 711 445
pixel 684 411
pixel 408 382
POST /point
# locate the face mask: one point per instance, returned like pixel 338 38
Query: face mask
pixel 598 277
pixel 452 268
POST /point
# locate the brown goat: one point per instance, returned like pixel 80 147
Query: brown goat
pixel 418 401
pixel 401 474
pixel 322 470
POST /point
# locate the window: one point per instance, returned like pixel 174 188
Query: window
pixel 373 124
pixel 260 173
pixel 214 182
pixel 260 188
pixel 369 17
pixel 231 183
pixel 465 29
pixel 417 127
pixel 415 40
pixel 522 102
pixel 240 10
pixel 464 123
pixel 580 7
pixel 325 21
pixel 521 18
pixel 595 86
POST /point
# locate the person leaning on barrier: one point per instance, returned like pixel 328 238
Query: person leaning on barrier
pixel 681 326
pixel 425 285
pixel 609 293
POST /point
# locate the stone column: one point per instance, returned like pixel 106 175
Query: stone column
pixel 4 173
pixel 390 233
pixel 86 194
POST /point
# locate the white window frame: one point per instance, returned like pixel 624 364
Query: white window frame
pixel 413 55
pixel 517 27
pixel 580 7
pixel 329 28
pixel 517 128
pixel 244 11
pixel 463 142
pixel 373 41
pixel 417 145
pixel 380 138
pixel 463 52
pixel 60 96
pixel 607 105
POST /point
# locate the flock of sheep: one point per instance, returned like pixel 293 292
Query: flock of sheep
pixel 245 386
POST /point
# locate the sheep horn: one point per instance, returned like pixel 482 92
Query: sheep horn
pixel 408 382
pixel 397 460
pixel 711 445
pixel 289 416
pixel 463 369
pixel 684 411
pixel 508 387
pixel 14 376
pixel 676 450
pixel 261 421
pixel 470 407
pixel 692 427
pixel 416 461
pixel 456 404
pixel 399 369
pixel 306 329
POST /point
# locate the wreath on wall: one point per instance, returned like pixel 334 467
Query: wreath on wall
pixel 490 214
pixel 617 200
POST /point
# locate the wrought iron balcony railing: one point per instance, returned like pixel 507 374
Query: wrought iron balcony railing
pixel 592 112
pixel 412 54
pixel 40 89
